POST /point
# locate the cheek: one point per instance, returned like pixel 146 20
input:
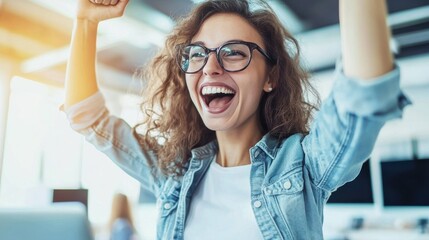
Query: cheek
pixel 253 97
pixel 251 92
pixel 191 84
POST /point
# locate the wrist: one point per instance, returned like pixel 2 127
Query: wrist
pixel 87 22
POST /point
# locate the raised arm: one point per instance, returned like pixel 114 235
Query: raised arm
pixel 365 38
pixel 80 75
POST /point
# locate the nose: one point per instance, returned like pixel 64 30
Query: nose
pixel 212 66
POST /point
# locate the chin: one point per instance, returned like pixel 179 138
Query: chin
pixel 215 125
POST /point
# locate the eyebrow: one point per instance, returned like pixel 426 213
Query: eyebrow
pixel 202 43
pixel 198 43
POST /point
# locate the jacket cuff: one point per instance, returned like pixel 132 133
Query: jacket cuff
pixel 86 112
pixel 379 98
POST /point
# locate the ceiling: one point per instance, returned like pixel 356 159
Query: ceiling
pixel 311 13
pixel 34 35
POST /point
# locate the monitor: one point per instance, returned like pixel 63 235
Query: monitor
pixel 358 191
pixel 351 205
pixel 405 183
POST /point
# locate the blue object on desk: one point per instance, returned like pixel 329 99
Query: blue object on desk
pixel 56 222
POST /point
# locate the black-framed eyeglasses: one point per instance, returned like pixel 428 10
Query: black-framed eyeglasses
pixel 232 56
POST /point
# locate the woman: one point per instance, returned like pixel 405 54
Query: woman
pixel 226 147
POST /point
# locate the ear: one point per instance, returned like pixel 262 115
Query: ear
pixel 268 86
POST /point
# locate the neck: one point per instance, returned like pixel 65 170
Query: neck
pixel 234 145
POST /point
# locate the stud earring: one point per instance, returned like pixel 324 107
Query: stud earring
pixel 270 89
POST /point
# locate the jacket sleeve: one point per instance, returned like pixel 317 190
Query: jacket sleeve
pixel 114 137
pixel 345 129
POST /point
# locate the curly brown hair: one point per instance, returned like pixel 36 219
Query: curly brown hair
pixel 173 126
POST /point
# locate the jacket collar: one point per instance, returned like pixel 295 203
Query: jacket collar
pixel 206 151
pixel 268 144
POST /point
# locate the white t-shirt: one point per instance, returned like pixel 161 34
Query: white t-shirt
pixel 221 206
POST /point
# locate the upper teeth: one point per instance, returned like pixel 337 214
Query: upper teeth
pixel 214 90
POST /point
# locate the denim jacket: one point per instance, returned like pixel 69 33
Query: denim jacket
pixel 291 179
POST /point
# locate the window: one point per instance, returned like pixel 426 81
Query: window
pixel 42 152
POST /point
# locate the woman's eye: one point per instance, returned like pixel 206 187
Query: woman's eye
pixel 234 54
pixel 196 56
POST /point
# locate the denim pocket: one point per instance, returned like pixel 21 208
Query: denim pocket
pixel 291 183
pixel 285 202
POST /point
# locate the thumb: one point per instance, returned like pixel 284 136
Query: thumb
pixel 119 8
pixel 122 3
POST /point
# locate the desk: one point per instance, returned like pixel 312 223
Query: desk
pixel 400 224
pixel 383 234
pixel 377 234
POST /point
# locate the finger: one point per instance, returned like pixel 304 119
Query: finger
pixel 98 1
pixel 114 2
pixel 106 2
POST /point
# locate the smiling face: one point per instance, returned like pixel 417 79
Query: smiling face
pixel 228 100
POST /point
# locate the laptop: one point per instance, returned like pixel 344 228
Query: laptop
pixel 60 221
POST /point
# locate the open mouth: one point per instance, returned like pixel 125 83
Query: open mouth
pixel 217 98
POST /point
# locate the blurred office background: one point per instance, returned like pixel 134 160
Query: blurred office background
pixel 39 153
